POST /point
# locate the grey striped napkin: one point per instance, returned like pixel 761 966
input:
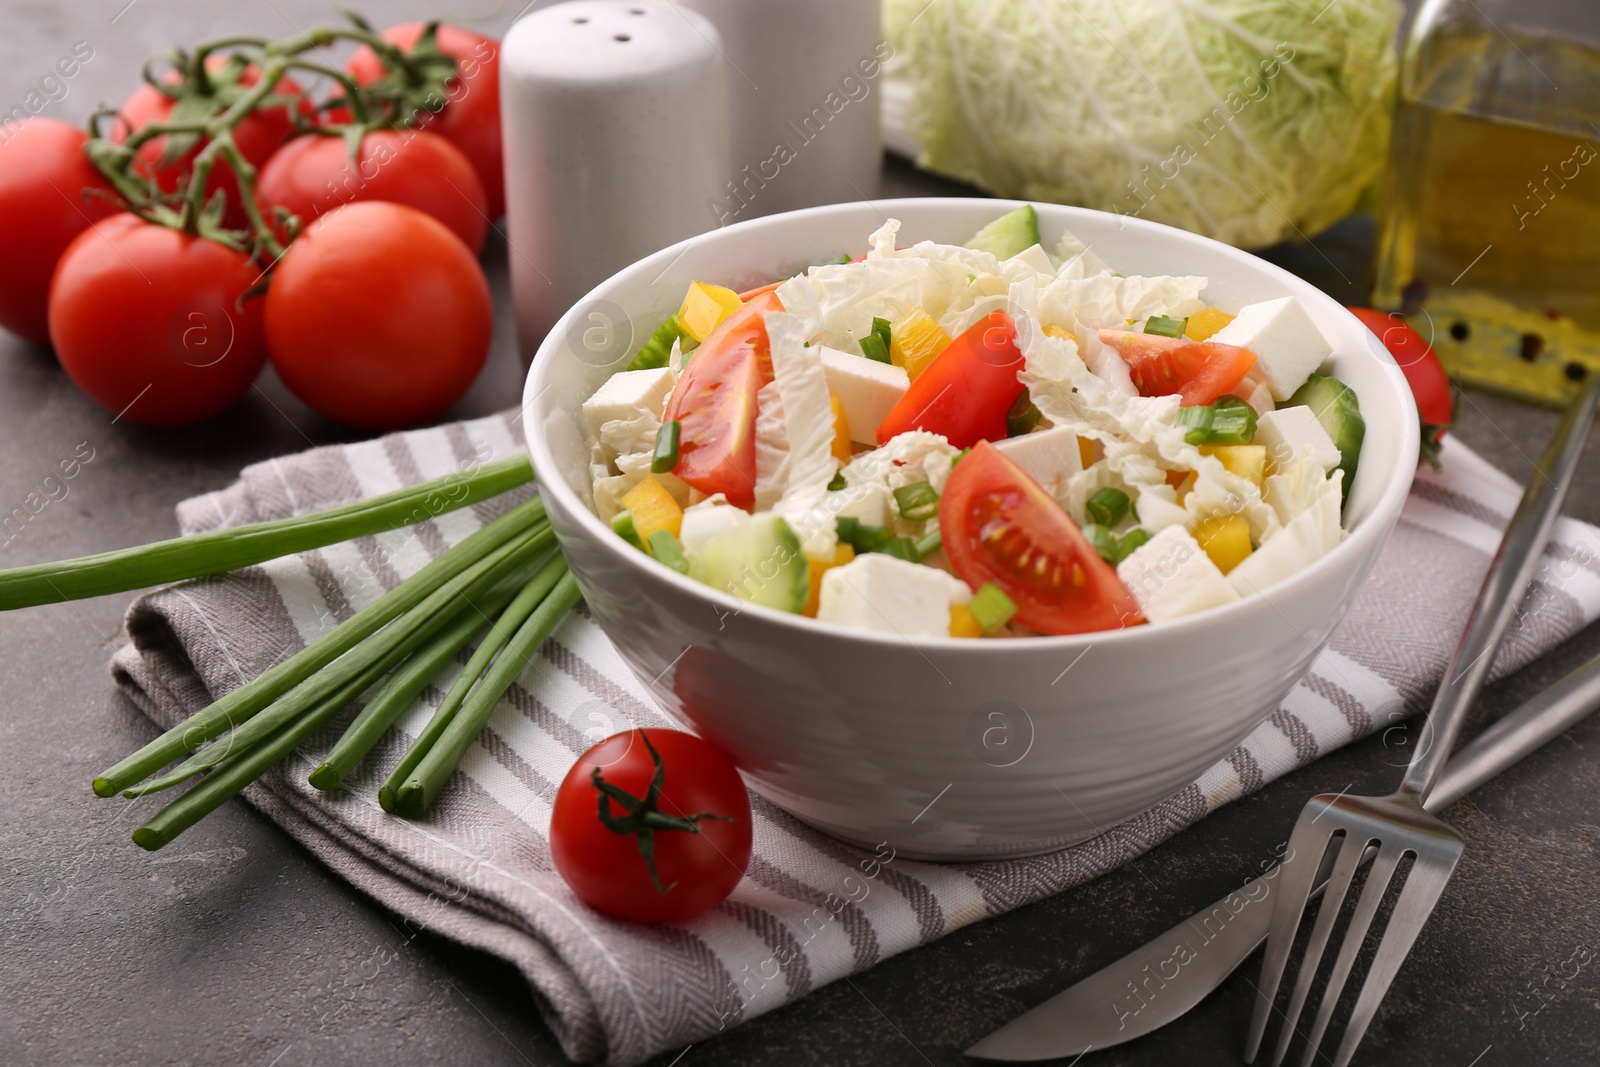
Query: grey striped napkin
pixel 478 868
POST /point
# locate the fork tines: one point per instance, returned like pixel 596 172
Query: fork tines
pixel 1344 832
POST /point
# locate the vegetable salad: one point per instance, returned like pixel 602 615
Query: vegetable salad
pixel 978 441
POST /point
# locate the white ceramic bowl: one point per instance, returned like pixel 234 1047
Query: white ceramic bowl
pixel 954 749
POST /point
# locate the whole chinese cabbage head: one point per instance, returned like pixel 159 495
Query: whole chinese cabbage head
pixel 1250 121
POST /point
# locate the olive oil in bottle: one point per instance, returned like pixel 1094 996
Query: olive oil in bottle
pixel 1489 235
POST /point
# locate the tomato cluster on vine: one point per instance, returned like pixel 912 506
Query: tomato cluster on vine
pixel 224 215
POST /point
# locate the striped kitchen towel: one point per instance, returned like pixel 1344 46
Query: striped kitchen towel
pixel 810 910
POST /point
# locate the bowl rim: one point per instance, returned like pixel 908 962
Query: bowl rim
pixel 1375 526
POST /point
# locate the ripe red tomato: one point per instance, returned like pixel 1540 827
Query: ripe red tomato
pixel 258 136
pixel 471 117
pixel 1000 526
pixel 715 404
pixel 1200 372
pixel 149 321
pixel 1423 371
pixel 965 392
pixel 697 864
pixel 43 206
pixel 312 175
pixel 378 316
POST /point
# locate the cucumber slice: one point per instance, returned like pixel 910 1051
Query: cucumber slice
pixel 1011 233
pixel 759 561
pixel 1335 406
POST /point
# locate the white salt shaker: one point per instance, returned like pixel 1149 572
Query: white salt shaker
pixel 805 79
pixel 615 117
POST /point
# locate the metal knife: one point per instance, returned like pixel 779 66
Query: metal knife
pixel 1153 985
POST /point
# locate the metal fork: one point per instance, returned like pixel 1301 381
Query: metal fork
pixel 1344 830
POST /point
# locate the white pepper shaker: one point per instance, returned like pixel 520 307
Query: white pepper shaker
pixel 615 117
pixel 804 79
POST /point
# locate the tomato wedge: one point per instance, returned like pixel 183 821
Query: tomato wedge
pixel 1000 526
pixel 715 404
pixel 967 389
pixel 1198 371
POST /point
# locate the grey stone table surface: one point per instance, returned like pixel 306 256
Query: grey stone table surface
pixel 235 947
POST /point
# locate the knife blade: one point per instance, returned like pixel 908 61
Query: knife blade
pixel 1155 984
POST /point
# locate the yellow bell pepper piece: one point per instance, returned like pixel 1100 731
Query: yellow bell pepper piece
pixel 841 430
pixel 1226 539
pixel 653 509
pixel 1247 461
pixel 1204 323
pixel 963 623
pixel 1086 454
pixel 705 307
pixel 916 341
pixel 816 568
pixel 1060 333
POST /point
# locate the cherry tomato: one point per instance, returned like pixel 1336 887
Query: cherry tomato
pixel 378 316
pixel 258 136
pixel 471 116
pixel 312 175
pixel 1000 526
pixel 697 864
pixel 1424 372
pixel 965 392
pixel 1198 371
pixel 151 323
pixel 43 206
pixel 715 404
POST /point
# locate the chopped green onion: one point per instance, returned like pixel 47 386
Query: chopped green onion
pixel 1108 506
pixel 838 483
pixel 658 349
pixel 930 543
pixel 1102 540
pixel 1130 541
pixel 873 348
pixel 991 607
pixel 859 536
pixel 417 794
pixel 958 457
pixel 1023 416
pixel 844 259
pixel 901 548
pixel 1230 421
pixel 666 453
pixel 220 551
pixel 623 526
pixel 665 548
pixel 917 502
pixel 456 569
pixel 1162 326
pixel 875 345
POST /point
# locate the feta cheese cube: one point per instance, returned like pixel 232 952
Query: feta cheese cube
pixel 867 503
pixel 878 592
pixel 1288 346
pixel 1170 576
pixel 1296 431
pixel 1037 258
pixel 627 395
pixel 867 390
pixel 707 519
pixel 1049 457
